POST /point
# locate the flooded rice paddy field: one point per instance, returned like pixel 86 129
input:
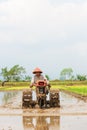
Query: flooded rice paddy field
pixel 72 115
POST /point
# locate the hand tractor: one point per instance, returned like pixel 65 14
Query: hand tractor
pixel 44 96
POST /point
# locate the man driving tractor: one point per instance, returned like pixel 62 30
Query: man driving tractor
pixel 42 95
pixel 42 87
pixel 38 76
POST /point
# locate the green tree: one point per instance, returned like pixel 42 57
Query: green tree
pixel 81 77
pixel 14 74
pixel 47 76
pixel 17 72
pixel 66 73
pixel 27 78
pixel 5 74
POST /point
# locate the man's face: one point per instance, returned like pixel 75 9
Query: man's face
pixel 38 74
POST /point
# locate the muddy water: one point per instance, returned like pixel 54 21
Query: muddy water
pixel 70 104
pixel 43 123
pixel 14 99
pixel 71 116
pixel 11 99
pixel 12 102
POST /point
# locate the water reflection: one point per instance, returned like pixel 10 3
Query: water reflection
pixel 6 97
pixel 41 123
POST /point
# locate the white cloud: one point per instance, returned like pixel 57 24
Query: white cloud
pixel 29 21
pixel 66 1
pixel 38 28
pixel 80 49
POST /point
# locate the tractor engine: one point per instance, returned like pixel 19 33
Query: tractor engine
pixel 41 92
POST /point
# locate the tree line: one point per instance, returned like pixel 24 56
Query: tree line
pixel 18 73
pixel 67 74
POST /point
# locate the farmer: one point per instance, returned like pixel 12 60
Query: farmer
pixel 38 76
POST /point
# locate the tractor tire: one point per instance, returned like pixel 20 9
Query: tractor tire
pixel 26 98
pixel 54 99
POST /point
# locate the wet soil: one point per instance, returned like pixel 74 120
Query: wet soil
pixel 71 115
pixel 75 95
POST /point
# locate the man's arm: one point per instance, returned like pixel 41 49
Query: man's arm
pixel 32 83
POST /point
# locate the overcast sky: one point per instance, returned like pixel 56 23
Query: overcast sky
pixel 50 34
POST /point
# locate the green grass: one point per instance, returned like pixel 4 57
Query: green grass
pixel 72 86
pixel 80 89
pixel 6 88
pixel 77 89
pixel 69 82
